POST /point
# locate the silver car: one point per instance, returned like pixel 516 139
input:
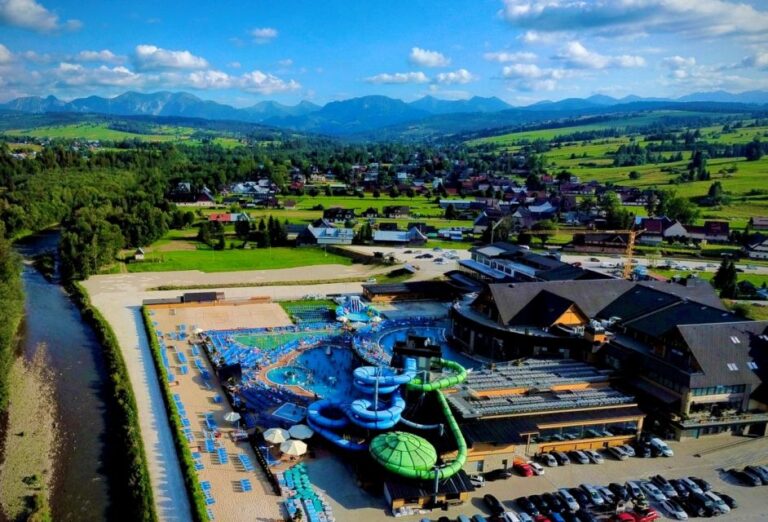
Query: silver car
pixel 674 510
pixel 594 457
pixel 652 491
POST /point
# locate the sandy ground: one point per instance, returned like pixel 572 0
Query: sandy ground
pixel 118 297
pixel 232 504
pixel 148 280
pixel 30 439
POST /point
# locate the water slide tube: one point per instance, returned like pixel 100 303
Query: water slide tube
pixel 324 424
pixel 368 379
pixel 363 413
pixel 459 375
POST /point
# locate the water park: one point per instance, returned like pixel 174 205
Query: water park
pixel 336 375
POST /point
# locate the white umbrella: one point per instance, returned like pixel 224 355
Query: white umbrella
pixel 293 447
pixel 232 416
pixel 276 435
pixel 198 331
pixel 301 431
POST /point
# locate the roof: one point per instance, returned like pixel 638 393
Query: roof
pixel 724 351
pixel 399 487
pixel 435 289
pixel 638 301
pixel 661 322
pixel 543 310
pixel 591 296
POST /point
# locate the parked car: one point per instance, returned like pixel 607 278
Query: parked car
pixel 680 487
pixel 540 504
pixel 747 479
pixel 556 517
pixel 462 518
pixel 522 469
pixel 493 503
pixel 581 497
pixel 691 485
pixel 498 474
pixel 585 516
pixel 633 488
pixel 727 499
pixel 646 515
pixel 568 499
pixel 691 506
pixel 620 491
pixel 661 447
pixel 674 510
pixel 703 484
pixel 510 516
pixel 593 494
pixel 607 494
pixel 578 456
pixel 643 450
pixel 628 449
pixel 526 505
pixel 719 503
pixel 652 491
pixel 479 518
pixel 702 502
pixel 594 457
pixel 537 468
pixel 548 460
pixel 617 453
pixel 664 485
pixel 561 457
pixel 477 480
pixel 622 517
pixel 759 471
pixel 553 501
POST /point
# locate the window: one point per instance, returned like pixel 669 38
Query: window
pixel 752 365
pixel 733 367
pixel 735 340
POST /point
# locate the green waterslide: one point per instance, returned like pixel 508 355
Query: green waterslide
pixel 404 453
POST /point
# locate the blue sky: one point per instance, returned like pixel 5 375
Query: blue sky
pixel 242 52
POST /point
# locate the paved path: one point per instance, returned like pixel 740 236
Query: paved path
pixel 118 297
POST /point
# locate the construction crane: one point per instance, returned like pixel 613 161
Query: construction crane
pixel 629 253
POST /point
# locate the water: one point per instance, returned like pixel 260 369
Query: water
pixel 435 334
pixel 327 376
pixel 81 487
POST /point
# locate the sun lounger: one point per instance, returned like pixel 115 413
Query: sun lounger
pixel 246 485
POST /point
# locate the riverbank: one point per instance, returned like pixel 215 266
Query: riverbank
pixel 27 470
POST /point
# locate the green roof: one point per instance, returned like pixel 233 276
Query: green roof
pixel 403 450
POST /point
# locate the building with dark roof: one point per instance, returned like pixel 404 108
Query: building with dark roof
pixel 672 342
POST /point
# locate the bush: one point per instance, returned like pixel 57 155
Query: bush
pixel 197 500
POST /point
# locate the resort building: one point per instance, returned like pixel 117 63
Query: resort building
pixel 527 407
pixel 504 262
pixel 325 235
pixel 688 360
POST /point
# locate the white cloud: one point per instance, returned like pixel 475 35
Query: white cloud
pixel 6 56
pixel 75 75
pixel 531 77
pixel 209 80
pixel 579 57
pixel 680 67
pixel 105 56
pixel 285 63
pixel 234 65
pixel 409 77
pixel 28 14
pixel 149 57
pixel 32 56
pixel 759 60
pixel 265 83
pixel 263 34
pixel 621 17
pixel 425 58
pixel 460 76
pixel 504 57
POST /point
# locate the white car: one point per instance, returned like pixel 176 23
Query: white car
pixel 652 491
pixel 568 499
pixel 477 480
pixel 629 450
pixel 537 468
pixel 662 447
pixel 510 516
pixel 548 459
pixel 718 502
pixel 617 453
pixel 674 510
pixel 594 457
pixel 692 486
pixel 593 494
pixel 524 517
pixel 607 494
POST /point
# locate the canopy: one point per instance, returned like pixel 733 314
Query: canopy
pixel 398 449
pixel 301 431
pixel 232 416
pixel 276 435
pixel 293 447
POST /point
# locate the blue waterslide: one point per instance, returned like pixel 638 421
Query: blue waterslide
pixel 364 413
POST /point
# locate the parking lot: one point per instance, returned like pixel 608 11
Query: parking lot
pixel 686 462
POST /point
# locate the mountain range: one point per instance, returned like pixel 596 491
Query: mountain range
pixel 369 114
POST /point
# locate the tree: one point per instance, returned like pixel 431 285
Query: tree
pixel 545 229
pixel 754 150
pixel 725 279
pixel 450 211
pixel 242 228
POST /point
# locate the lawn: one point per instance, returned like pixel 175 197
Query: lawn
pixel 236 259
pixel 91 131
pixel 755 279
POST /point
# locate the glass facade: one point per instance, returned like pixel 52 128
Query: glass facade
pixel 590 431
pixel 719 390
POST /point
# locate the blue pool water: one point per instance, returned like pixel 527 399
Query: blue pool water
pixel 325 375
pixel 435 333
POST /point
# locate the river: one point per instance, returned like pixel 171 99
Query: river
pixel 81 488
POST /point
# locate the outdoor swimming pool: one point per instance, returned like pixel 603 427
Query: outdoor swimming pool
pixel 435 333
pixel 317 372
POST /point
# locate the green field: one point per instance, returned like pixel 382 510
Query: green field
pixel 755 279
pixel 95 131
pixel 231 260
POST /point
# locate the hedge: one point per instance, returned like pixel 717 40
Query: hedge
pixel 199 511
pixel 128 451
